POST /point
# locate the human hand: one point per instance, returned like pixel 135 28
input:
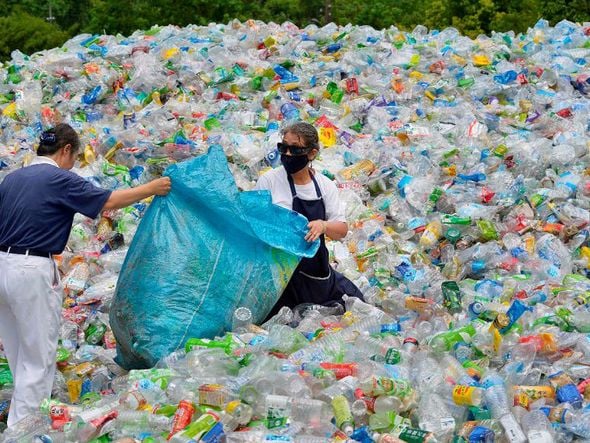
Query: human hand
pixel 316 229
pixel 160 186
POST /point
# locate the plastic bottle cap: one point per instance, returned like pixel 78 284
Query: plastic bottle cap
pixel 411 340
pixel 501 321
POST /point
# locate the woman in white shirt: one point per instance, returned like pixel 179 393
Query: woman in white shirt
pixel 296 186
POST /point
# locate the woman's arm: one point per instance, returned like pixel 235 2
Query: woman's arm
pixel 334 229
pixel 125 197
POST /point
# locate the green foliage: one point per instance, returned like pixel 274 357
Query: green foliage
pixel 25 26
pixel 573 10
pixel 28 34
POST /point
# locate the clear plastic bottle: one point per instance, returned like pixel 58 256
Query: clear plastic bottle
pixel 537 427
pixel 342 414
pixel 360 412
pixel 283 317
pixel 307 411
pixel 497 401
pixel 580 425
pixel 25 429
pixel 241 318
pixel 236 414
pixel 435 416
pixel 345 386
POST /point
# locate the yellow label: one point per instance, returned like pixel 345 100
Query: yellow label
pixel 74 389
pixel 463 395
pixel 497 338
pixel 290 86
pixel 328 137
pixel 534 393
pixel 585 253
pixel 430 95
pixel 83 369
pixel 529 244
pixel 521 399
pixel 10 110
pixel 232 406
pixel 169 53
pixel 480 60
pixel 459 60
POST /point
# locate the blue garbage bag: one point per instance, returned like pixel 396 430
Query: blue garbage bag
pixel 198 254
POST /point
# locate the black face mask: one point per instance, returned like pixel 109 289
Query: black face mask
pixel 294 163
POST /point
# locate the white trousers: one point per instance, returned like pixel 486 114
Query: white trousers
pixel 30 318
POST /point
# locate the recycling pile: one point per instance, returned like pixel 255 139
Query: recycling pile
pixel 465 168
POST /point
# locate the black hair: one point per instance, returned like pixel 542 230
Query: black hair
pixel 53 139
pixel 306 131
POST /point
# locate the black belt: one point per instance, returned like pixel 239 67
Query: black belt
pixel 24 251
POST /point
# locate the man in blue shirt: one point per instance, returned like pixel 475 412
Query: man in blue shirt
pixel 37 208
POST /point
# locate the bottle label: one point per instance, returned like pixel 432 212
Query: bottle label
pixel 513 431
pixel 277 411
pixel 212 395
pixel 417 304
pixel 524 395
pixel 463 395
pixel 447 424
pixel 215 435
pixel 412 435
pixel 342 413
pixel 540 437
pixel 392 356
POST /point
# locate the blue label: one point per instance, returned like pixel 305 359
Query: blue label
pixel 569 394
pixel 481 434
pixel 215 435
pixel 405 181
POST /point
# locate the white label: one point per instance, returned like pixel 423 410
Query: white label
pixel 447 424
pixel 513 432
pixel 540 437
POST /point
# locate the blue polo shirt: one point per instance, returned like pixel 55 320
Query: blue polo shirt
pixel 38 204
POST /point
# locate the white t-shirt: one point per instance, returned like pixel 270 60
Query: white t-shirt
pixel 277 183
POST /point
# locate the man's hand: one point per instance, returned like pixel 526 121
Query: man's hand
pixel 316 229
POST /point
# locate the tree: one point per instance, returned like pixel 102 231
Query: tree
pixel 470 17
pixel 68 15
pixel 573 10
pixel 107 16
pixel 28 34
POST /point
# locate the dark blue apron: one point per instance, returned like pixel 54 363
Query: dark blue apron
pixel 314 280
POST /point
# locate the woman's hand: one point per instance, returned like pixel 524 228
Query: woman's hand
pixel 160 186
pixel 316 229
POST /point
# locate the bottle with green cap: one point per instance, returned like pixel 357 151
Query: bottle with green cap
pixel 453 235
pixel 455 220
pixel 446 340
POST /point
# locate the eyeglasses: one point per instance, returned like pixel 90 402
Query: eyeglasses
pixel 294 150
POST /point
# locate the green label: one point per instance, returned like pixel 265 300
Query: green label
pixel 413 435
pixel 392 356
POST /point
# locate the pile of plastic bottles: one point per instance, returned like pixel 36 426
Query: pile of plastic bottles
pixel 465 168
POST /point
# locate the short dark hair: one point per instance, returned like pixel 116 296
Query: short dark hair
pixel 53 139
pixel 306 131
